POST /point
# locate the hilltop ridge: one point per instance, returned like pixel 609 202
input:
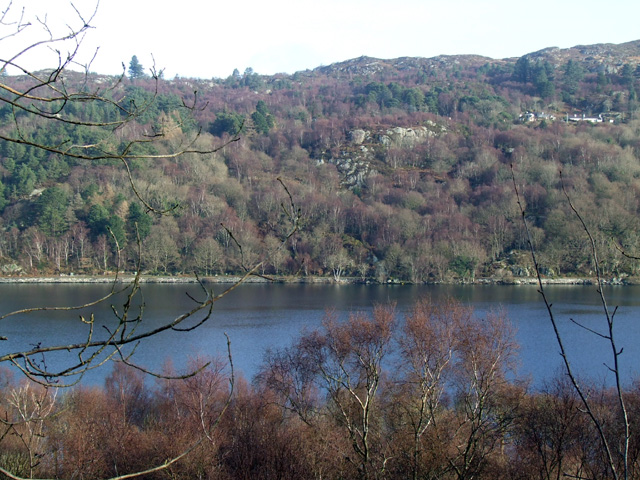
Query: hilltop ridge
pixel 608 56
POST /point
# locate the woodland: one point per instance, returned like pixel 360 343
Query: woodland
pixel 450 169
pixel 401 170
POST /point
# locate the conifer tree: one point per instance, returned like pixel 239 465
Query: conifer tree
pixel 136 70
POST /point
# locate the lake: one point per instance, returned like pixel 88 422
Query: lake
pixel 261 316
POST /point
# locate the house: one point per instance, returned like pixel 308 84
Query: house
pixel 536 116
pixel 545 116
pixel 584 118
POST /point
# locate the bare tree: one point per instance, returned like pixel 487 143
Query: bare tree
pixel 615 445
pixel 427 348
pixel 29 406
pixel 485 399
pixel 343 360
pixel 550 432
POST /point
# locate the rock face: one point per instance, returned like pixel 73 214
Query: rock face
pixel 400 137
pixel 10 269
pixel 354 172
pixel 364 153
pixel 606 57
pixel 357 136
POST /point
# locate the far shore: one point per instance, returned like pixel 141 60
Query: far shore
pixel 231 279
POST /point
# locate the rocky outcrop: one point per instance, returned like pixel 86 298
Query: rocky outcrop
pixel 605 57
pixel 366 147
pixel 368 66
pixel 10 269
pixel 400 137
pixel 354 171
pixel 358 136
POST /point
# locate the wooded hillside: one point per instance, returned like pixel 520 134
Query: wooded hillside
pixel 402 170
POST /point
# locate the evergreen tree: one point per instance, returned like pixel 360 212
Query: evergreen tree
pixel 136 70
pixel 260 123
pixel 262 118
pixel 522 70
pixel 115 228
pixel 413 97
pixel 98 220
pixel 50 210
pixel 24 180
pixel 3 200
pixel 544 87
pixel 138 221
pixel 550 70
pixel 234 80
pixel 627 75
pixel 251 79
pixel 226 122
pixel 573 75
pixel 262 108
pixel 602 81
pixel 379 93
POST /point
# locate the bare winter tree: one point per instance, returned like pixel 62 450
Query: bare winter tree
pixel 615 443
pixel 343 360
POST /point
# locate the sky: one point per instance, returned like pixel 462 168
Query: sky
pixel 211 38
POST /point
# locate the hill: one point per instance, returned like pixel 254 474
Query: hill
pixel 401 169
pixel 608 57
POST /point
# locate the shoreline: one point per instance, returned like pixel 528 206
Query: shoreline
pixel 231 279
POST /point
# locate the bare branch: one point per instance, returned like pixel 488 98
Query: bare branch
pixel 584 398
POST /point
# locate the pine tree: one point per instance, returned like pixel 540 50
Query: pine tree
pixel 522 70
pixel 573 75
pixel 136 70
pixel 138 222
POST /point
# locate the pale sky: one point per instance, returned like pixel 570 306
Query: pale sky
pixel 209 38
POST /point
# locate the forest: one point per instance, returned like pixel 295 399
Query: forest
pixel 402 171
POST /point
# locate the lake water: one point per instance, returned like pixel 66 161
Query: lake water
pixel 261 316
